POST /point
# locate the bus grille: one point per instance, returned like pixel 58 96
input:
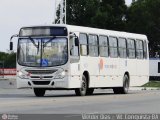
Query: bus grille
pixel 38 77
pixel 41 82
pixel 41 71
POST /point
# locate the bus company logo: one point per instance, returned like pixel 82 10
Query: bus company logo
pixel 4 117
pixel 41 77
pixel 101 64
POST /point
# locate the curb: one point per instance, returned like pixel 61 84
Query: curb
pixel 144 88
pixel 10 79
pixel 4 79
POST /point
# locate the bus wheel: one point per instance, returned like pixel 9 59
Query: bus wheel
pixel 125 88
pixel 90 91
pixel 82 91
pixel 39 92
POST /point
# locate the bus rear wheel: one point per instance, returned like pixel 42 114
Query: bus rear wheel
pixel 125 88
pixel 39 92
pixel 90 91
pixel 83 89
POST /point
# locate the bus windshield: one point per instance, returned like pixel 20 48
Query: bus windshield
pixel 42 52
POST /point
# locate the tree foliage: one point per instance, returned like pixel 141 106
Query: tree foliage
pixel 8 59
pixel 144 17
pixel 80 12
pixel 97 13
pixel 110 15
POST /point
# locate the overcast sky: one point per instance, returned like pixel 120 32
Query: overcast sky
pixel 15 14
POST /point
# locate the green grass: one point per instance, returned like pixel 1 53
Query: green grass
pixel 152 84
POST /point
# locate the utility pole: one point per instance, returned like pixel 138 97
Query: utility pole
pixel 62 19
pixel 65 12
pixel 54 17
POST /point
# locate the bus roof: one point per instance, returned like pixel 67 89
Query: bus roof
pixel 90 30
pixel 106 32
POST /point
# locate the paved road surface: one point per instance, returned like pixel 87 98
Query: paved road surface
pixel 16 101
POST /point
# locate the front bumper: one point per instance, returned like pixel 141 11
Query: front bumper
pixel 54 83
pixel 68 82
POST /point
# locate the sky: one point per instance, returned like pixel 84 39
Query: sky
pixel 15 14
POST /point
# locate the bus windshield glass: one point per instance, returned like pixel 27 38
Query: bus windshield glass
pixel 42 52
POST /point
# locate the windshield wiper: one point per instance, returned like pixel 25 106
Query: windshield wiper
pixel 37 46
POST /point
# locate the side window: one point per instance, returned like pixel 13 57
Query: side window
pixel 131 48
pixel 103 46
pixel 122 47
pixel 145 49
pixel 93 45
pixel 73 48
pixel 139 49
pixel 83 44
pixel 113 47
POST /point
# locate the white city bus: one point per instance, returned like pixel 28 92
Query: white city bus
pixel 80 58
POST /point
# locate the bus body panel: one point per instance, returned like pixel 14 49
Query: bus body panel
pixel 103 71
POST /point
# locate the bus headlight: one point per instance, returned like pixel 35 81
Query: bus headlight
pixel 22 75
pixel 60 75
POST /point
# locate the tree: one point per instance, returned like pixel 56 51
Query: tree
pixel 143 17
pixel 9 59
pixel 110 15
pixel 80 12
pixel 97 13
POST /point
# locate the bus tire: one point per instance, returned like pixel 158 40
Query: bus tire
pixel 125 88
pixel 90 91
pixel 83 89
pixel 39 92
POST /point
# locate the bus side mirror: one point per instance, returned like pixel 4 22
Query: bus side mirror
pixel 76 41
pixel 11 45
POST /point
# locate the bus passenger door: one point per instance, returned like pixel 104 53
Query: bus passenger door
pixel 74 62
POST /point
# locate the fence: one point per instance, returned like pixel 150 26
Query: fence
pixel 7 72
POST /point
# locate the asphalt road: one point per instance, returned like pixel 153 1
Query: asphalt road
pixel 22 101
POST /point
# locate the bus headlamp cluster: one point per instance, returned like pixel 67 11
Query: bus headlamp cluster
pixel 22 75
pixel 61 75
